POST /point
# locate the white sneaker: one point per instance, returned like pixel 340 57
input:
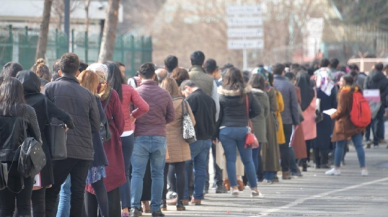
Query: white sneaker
pixel 235 193
pixel 334 172
pixel 364 172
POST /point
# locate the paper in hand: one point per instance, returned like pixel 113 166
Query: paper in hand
pixel 330 111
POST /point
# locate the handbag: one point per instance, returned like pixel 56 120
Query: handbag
pixel 188 126
pixel 250 139
pixel 31 157
pixel 105 133
pixel 56 136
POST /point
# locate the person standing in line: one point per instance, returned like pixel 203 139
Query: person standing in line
pixel 11 69
pixel 204 109
pixel 232 128
pixel 128 95
pixel 44 109
pixel 16 119
pixel 259 122
pixel 170 64
pixel 177 148
pixel 150 140
pixel 179 75
pixel 344 128
pixel 67 94
pixel 290 114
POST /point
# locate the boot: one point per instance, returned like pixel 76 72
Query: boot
pixel 163 205
pixel 227 184
pixel 304 165
pixel 241 185
pixel 286 175
pixel 180 206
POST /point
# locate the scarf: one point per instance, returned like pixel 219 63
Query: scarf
pixel 324 80
pixel 261 71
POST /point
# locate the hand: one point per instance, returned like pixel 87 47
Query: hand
pixel 66 128
pixel 215 141
pixel 133 119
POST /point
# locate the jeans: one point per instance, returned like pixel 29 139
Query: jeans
pixel 78 169
pixel 64 199
pixel 146 148
pixel 199 155
pixel 293 167
pixel 38 199
pixel 256 157
pixel 233 138
pixel 339 150
pixel 285 149
pixel 23 199
pixel 125 189
pixel 269 175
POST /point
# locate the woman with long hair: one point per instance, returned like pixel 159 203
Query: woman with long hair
pixel 128 95
pixel 115 171
pixel 232 126
pixel 180 74
pixel 344 127
pixel 96 172
pixel 16 119
pixel 178 150
pixel 45 110
pixel 41 70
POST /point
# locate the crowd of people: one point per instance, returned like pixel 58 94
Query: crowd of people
pixel 137 145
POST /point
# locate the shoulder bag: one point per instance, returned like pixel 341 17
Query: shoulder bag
pixel 56 137
pixel 188 126
pixel 105 133
pixel 250 139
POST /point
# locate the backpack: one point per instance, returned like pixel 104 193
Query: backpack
pixel 360 114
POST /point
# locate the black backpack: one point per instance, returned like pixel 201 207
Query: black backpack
pixel 105 133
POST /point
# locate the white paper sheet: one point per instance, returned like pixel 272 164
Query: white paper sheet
pixel 330 111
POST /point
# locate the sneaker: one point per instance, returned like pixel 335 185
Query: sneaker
pixel 267 182
pixel 256 194
pixel 235 193
pixel 334 172
pixel 135 212
pixel 221 189
pixel 364 172
pixel 157 214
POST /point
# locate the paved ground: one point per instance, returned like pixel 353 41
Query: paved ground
pixel 313 195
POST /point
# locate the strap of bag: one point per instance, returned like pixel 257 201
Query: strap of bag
pixel 46 107
pixel 247 105
pixel 107 101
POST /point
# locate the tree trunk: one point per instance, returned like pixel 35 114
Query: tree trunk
pixel 44 28
pixel 109 35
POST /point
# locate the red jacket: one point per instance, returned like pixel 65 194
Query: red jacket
pixel 130 95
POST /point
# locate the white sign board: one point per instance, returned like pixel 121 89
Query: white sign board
pixel 243 9
pixel 244 21
pixel 245 44
pixel 245 32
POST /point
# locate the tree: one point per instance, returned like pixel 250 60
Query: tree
pixel 87 20
pixel 109 34
pixel 44 28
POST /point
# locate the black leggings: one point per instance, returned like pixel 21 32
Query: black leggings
pixel 39 202
pixel 101 198
pixel 179 169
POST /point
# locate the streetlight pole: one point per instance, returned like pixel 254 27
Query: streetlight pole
pixel 67 21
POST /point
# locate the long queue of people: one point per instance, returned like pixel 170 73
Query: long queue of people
pixel 137 145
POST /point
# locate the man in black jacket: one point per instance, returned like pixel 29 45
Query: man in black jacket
pixel 377 80
pixel 204 110
pixel 71 97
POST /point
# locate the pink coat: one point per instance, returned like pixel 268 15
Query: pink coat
pixel 309 125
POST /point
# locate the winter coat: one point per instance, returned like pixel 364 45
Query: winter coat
pixel 309 125
pixel 201 79
pixel 297 141
pixel 377 80
pixel 80 103
pixel 290 114
pixel 33 97
pixel 100 158
pixel 259 122
pixel 177 148
pixel 270 150
pixel 280 133
pixel 130 95
pixel 343 126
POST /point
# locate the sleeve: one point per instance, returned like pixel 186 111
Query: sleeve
pixel 333 96
pixel 216 98
pixel 142 106
pixel 54 111
pixel 102 112
pixel 254 106
pixel 342 109
pixel 191 113
pixel 218 123
pixel 94 116
pixel 294 106
pixel 33 125
pixel 366 82
pixel 170 112
pixel 118 115
pixel 265 105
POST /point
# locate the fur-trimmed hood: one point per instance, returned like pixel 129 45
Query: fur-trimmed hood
pixel 224 92
pixel 255 90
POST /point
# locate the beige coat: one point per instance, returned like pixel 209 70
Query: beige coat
pixel 178 150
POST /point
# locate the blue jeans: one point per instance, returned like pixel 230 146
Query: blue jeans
pixel 233 138
pixel 125 189
pixel 199 157
pixel 269 175
pixel 64 199
pixel 339 150
pixel 256 158
pixel 293 167
pixel 146 148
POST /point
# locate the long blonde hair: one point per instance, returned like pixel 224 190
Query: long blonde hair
pixel 89 80
pixel 171 86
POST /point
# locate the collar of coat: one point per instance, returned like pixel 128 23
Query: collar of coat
pixel 224 92
pixel 196 68
pixel 256 90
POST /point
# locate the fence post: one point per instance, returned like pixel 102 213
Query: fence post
pixel 150 46
pixel 99 44
pixel 86 43
pixel 56 44
pixel 133 54
pixel 72 40
pixel 122 48
pixel 142 49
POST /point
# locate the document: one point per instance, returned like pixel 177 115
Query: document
pixel 330 111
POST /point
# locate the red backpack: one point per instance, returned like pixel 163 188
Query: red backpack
pixel 360 114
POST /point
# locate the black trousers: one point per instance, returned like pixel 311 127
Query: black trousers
pixel 179 169
pixel 39 202
pixel 8 195
pixel 321 156
pixel 284 148
pixel 91 204
pixel 78 169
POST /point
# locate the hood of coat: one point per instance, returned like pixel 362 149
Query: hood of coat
pixel 30 81
pixel 225 92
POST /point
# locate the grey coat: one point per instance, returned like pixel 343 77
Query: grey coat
pixel 290 114
pixel 259 122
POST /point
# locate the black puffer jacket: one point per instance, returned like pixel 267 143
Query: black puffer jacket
pixel 377 80
pixel 233 112
pixel 12 133
pixel 80 103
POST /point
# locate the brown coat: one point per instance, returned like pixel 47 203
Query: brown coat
pixel 343 127
pixel 178 149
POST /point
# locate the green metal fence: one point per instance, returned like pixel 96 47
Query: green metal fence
pixel 19 45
